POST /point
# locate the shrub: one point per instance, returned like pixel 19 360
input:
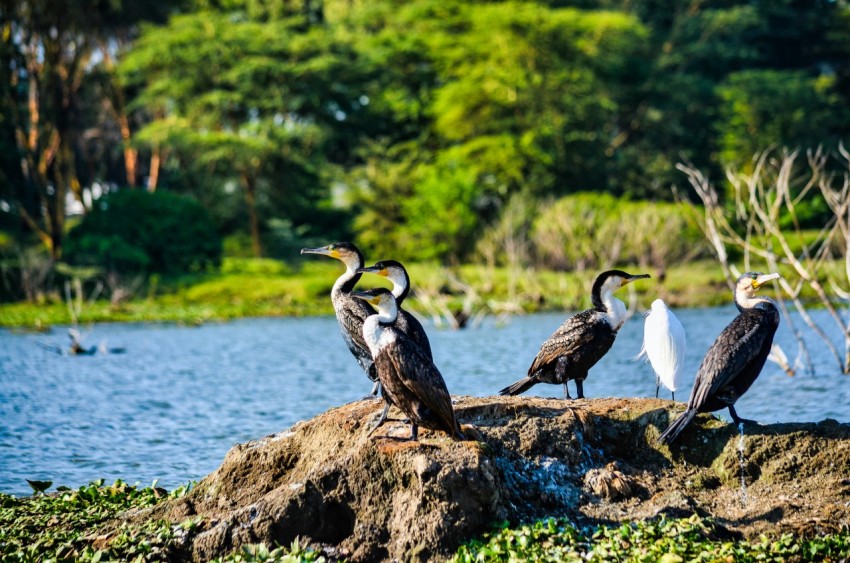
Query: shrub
pixel 133 231
pixel 592 231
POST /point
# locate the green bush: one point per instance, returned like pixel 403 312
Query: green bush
pixel 133 231
pixel 596 230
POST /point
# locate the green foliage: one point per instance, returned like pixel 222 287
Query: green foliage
pixel 249 288
pixel 593 231
pixel 83 525
pixel 262 554
pixel 136 231
pixel 256 103
pixel 291 120
pixel 762 108
pixel 666 540
pixel 58 526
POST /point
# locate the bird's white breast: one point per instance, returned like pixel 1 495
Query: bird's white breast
pixel 615 311
pixel 376 335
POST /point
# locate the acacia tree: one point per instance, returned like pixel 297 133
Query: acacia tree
pixel 50 55
pixel 248 101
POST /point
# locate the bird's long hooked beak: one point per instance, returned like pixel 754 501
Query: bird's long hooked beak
pixel 630 279
pixel 764 278
pixel 372 270
pixel 324 250
pixel 371 299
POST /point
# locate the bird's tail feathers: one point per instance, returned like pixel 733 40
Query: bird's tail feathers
pixel 520 386
pixel 642 355
pixel 677 426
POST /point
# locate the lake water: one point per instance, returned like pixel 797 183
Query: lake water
pixel 171 406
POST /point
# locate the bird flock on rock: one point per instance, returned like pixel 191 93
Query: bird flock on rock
pixel 392 347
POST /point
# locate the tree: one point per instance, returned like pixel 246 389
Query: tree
pixel 49 51
pixel 513 96
pixel 133 231
pixel 253 101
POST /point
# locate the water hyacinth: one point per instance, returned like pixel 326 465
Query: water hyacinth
pixel 664 540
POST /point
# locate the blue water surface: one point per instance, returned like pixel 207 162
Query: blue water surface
pixel 179 397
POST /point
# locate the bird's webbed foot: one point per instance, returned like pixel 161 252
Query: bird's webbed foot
pixel 737 419
pixel 381 419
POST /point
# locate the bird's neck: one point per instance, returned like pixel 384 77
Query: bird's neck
pixel 401 286
pixel 742 302
pixel 613 307
pixel 400 291
pixel 372 334
pixel 346 282
pixel 377 332
pixel 387 317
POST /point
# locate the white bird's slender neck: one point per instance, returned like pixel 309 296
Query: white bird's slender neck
pixel 400 282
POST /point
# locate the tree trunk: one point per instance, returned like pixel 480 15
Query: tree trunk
pixel 156 163
pixel 249 183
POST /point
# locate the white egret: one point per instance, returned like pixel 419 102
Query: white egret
pixel 664 345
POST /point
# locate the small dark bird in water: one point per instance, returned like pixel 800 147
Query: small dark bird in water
pixel 582 340
pixel 350 312
pixel 736 358
pixel 407 323
pixel 409 378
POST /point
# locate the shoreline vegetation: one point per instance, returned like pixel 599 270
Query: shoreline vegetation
pixel 252 287
pixel 64 525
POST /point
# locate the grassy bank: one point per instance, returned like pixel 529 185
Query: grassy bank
pixel 257 287
pixel 80 525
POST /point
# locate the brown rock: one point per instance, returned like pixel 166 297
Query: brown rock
pixel 382 497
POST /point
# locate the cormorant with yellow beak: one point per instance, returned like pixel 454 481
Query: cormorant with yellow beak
pixel 407 323
pixel 736 358
pixel 409 379
pixel 350 312
pixel 582 340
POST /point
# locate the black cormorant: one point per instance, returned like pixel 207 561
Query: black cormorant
pixel 409 379
pixel 582 340
pixel 350 312
pixel 736 358
pixel 407 323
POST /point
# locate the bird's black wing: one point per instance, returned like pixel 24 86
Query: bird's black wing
pixel 418 374
pixel 572 339
pixel 350 314
pixel 410 325
pixel 740 343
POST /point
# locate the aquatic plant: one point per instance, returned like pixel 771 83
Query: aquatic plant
pixel 62 525
pixel 666 540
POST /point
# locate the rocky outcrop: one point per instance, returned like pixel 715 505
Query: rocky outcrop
pixel 594 461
